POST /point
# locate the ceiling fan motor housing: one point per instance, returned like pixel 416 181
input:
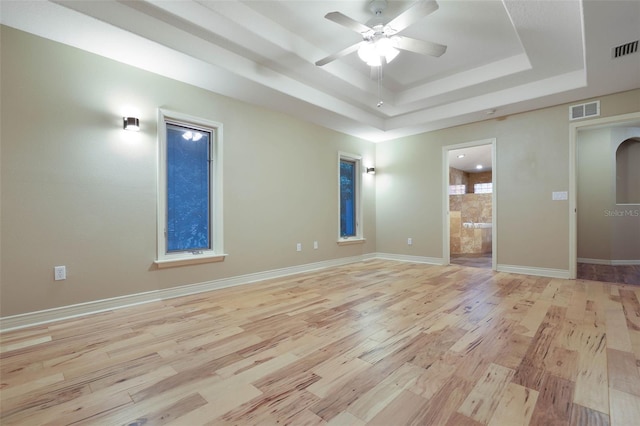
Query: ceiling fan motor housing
pixel 377 7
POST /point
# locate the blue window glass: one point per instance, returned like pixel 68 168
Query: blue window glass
pixel 188 189
pixel 347 198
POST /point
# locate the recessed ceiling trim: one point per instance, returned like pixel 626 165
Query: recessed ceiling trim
pixel 482 74
pixel 520 93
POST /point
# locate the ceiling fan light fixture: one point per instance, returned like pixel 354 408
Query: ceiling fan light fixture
pixel 374 61
pixel 391 54
pixel 367 52
pixel 372 51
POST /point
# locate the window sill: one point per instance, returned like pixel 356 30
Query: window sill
pixel 349 241
pixel 192 260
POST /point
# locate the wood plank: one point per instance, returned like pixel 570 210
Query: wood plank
pixel 585 416
pixel 623 372
pixel 555 400
pixel 438 373
pixel 345 419
pixel 222 397
pixel 285 404
pixel 444 403
pixel 515 406
pixel 82 407
pixel 29 386
pixel 171 412
pixel 373 401
pixel 485 395
pixel 458 419
pixel 591 374
pixel 401 410
pixel 562 363
pixel 534 317
pixel 12 346
pixel 512 355
pixel 557 292
pixel 625 408
pixel 577 303
pixel 335 374
pixel 616 327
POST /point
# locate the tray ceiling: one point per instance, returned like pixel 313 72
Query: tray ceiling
pixel 503 57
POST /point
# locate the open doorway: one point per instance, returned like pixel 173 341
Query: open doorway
pixel 607 200
pixel 469 201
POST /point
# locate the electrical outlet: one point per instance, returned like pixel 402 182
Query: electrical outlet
pixel 410 241
pixel 315 245
pixel 299 247
pixel 59 273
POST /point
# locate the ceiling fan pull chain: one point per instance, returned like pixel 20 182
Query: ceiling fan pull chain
pixel 380 102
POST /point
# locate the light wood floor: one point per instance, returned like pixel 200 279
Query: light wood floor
pixel 378 342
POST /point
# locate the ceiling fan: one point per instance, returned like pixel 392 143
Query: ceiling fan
pixel 380 40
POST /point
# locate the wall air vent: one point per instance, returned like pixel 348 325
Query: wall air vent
pixel 590 109
pixel 625 49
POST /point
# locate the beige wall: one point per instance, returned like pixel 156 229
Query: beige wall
pixel 79 191
pixel 532 151
pixel 606 230
pixel 596 193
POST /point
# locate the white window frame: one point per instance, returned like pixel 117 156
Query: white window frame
pixel 216 252
pixel 359 236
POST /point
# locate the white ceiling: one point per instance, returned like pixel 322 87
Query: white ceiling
pixel 473 156
pixel 503 57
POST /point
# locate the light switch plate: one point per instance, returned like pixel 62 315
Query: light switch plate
pixel 559 195
pixel 59 273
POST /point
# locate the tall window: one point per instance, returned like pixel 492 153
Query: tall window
pixel 188 188
pixel 349 181
pixel 189 193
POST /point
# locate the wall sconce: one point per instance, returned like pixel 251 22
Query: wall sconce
pixel 131 123
pixel 371 170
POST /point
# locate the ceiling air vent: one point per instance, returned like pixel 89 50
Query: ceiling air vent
pixel 625 49
pixel 590 109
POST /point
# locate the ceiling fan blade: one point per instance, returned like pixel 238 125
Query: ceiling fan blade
pixel 347 22
pixel 416 12
pixel 340 54
pixel 420 46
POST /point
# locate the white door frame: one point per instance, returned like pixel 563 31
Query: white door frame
pixel 446 249
pixel 574 128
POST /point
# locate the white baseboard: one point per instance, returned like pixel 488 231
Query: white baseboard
pixel 529 270
pixel 608 262
pixel 409 258
pixel 66 312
